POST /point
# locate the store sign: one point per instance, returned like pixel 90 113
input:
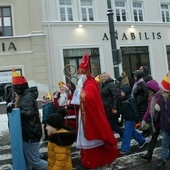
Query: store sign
pixel 6 76
pixel 8 46
pixel 135 36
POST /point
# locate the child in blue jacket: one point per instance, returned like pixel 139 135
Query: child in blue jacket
pixel 129 111
pixel 47 110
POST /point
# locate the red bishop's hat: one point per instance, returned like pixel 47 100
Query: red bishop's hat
pixel 84 67
pixel 165 83
pixel 17 79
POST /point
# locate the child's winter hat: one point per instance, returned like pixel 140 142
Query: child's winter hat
pixel 17 78
pixel 165 83
pixel 61 83
pixel 153 85
pixel 56 120
pixel 48 96
pixel 19 83
pixel 126 89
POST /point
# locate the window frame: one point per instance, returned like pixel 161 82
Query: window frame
pixel 120 11
pixel 2 17
pixel 164 12
pixel 66 8
pixel 138 9
pixel 87 10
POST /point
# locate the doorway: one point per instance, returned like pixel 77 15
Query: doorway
pixel 133 58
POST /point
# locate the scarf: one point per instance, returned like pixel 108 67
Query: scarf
pixel 152 108
pixel 134 89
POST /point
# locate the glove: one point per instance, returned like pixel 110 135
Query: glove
pixel 157 107
pixel 10 106
pixel 144 125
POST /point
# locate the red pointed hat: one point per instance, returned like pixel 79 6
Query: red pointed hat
pixel 17 79
pixel 165 83
pixel 84 67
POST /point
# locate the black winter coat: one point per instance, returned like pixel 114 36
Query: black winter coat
pixel 30 121
pixel 129 109
pixel 141 97
pixel 147 77
pixel 109 95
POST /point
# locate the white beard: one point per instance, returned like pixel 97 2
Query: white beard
pixel 62 101
pixel 76 96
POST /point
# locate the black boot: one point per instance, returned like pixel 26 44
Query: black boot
pixel 146 133
pixel 160 165
pixel 148 155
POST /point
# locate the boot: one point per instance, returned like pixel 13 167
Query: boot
pixel 146 133
pixel 160 165
pixel 148 155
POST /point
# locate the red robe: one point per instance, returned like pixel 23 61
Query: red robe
pixel 96 126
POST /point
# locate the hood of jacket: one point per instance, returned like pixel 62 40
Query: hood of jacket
pixel 64 138
pixel 139 74
pixel 153 85
pixel 146 70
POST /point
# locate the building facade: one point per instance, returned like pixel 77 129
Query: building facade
pixel 45 39
pixel 22 43
pixel 73 27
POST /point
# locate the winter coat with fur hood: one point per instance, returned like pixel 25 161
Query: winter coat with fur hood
pixel 59 149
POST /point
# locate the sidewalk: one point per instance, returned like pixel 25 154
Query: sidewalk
pixel 4 132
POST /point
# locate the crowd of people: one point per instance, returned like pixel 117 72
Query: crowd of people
pixel 90 115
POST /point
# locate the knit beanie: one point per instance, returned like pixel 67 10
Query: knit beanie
pixel 56 120
pixel 126 89
pixel 165 83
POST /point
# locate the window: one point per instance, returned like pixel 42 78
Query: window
pixel 120 11
pixel 138 11
pixel 87 10
pixel 66 10
pixel 5 21
pixel 72 59
pixel 134 57
pixel 165 10
pixel 168 55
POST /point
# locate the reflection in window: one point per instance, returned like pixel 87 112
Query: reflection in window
pixel 5 21
pixel 165 10
pixel 66 10
pixel 168 55
pixel 73 57
pixel 120 11
pixel 138 11
pixel 87 10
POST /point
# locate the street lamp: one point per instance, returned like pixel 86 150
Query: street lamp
pixel 113 39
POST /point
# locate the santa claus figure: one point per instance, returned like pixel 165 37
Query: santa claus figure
pixel 62 99
pixel 95 139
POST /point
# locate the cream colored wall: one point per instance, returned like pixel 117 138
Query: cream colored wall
pixel 29 41
pixel 63 35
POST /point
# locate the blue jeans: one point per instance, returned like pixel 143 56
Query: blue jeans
pixel 33 157
pixel 115 127
pixel 165 145
pixel 129 133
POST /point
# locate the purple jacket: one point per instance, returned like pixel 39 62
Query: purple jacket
pixel 147 115
pixel 153 86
